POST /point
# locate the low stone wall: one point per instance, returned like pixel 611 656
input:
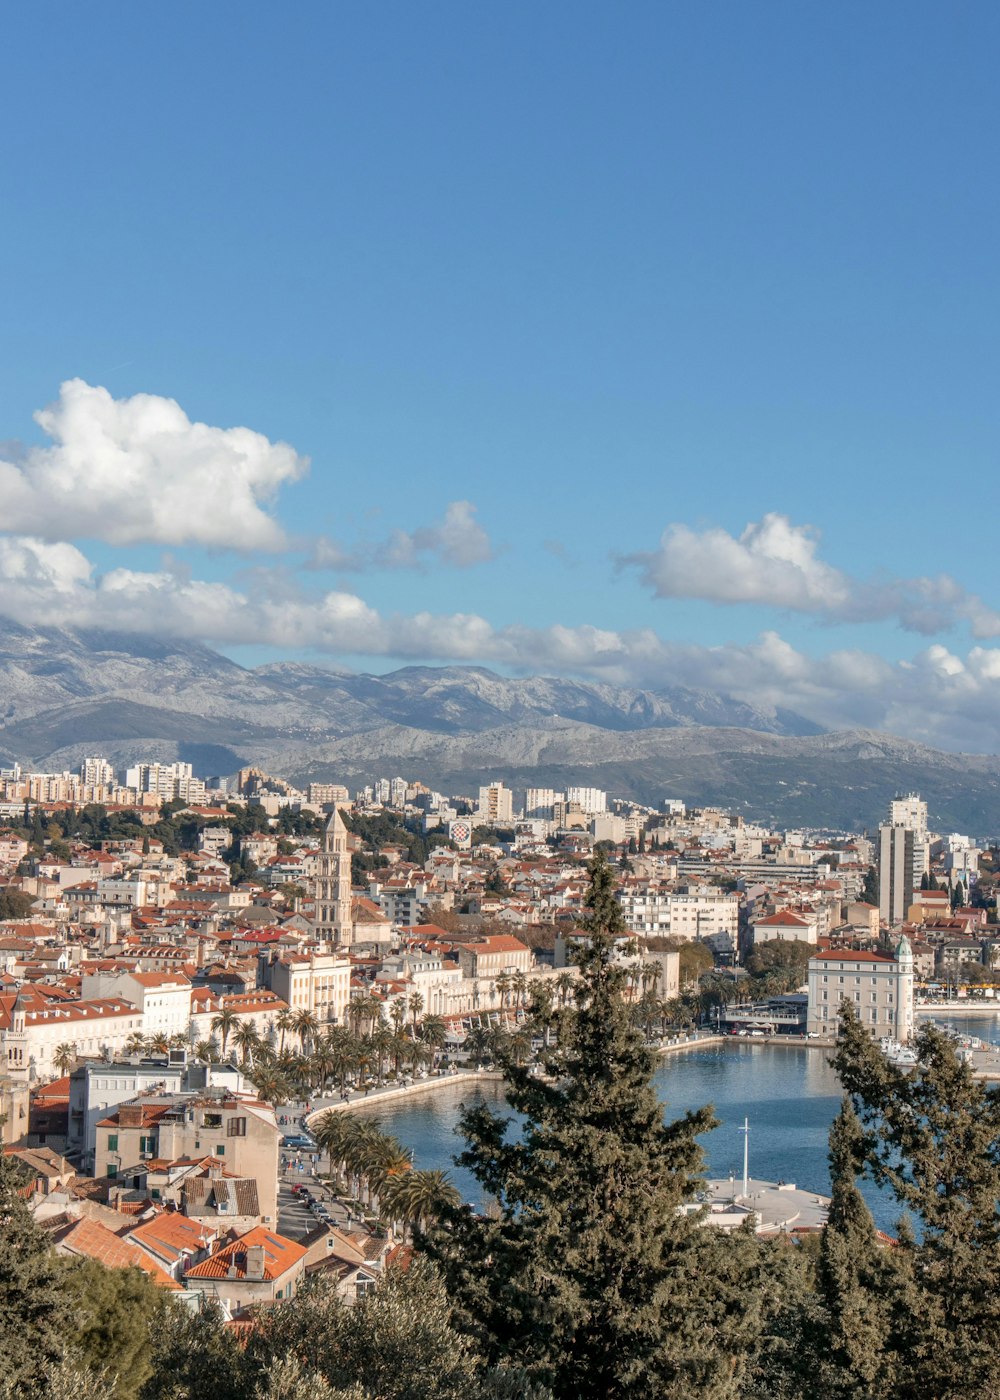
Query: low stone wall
pixel 402 1091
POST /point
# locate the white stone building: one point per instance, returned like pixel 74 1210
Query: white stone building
pixel 879 987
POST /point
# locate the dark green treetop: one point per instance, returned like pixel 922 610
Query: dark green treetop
pixel 587 1271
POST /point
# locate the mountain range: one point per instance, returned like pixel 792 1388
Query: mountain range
pixel 66 694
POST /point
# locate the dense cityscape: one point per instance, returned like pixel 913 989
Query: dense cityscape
pixel 499 702
pixel 199 978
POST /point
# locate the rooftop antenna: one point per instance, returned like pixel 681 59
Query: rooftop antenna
pixel 745 1130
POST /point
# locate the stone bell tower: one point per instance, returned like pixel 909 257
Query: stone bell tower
pixel 334 923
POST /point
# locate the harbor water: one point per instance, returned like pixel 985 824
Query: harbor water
pixel 790 1094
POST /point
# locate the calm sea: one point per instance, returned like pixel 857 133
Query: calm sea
pixel 789 1094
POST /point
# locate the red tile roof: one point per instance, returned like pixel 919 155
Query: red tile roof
pixel 280 1255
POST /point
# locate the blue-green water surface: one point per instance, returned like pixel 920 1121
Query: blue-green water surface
pixel 790 1094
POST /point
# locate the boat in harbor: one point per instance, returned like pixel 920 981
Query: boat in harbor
pixel 903 1056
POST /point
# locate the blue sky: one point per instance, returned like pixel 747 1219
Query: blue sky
pixel 694 307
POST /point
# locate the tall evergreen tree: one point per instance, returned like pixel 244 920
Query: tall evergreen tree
pixel 932 1136
pixel 861 1283
pixel 588 1272
pixel 34 1309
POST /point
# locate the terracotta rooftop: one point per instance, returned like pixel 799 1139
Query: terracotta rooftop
pixel 93 1240
pixel 280 1254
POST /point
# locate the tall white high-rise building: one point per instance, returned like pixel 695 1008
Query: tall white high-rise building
pixel 97 772
pixel 539 803
pixel 167 780
pixel 496 805
pixel 334 921
pixel 589 800
pixel 910 811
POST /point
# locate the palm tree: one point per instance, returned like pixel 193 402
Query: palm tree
pixel 519 982
pixel 207 1051
pixel 503 985
pixel 323 1062
pixel 564 984
pixel 397 1014
pixel 477 1045
pixel 434 1033
pixel 284 1021
pixel 158 1044
pixel 64 1057
pixel 382 1041
pixel 416 1005
pixel 332 1132
pixel 135 1044
pixel 418 1196
pixel 389 1160
pixel 246 1038
pixel 305 1026
pixel 226 1022
pixel 270 1084
pixel 362 1151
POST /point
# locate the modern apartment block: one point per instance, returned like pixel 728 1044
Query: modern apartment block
pixel 896 872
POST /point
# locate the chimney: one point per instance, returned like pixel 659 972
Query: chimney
pixel 255 1263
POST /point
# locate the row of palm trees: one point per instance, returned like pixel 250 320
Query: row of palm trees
pixel 375 1168
pixel 298 1057
pixel 325 1056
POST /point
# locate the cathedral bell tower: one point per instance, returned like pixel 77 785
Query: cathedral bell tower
pixel 334 923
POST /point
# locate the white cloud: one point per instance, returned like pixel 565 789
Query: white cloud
pixel 37 566
pixel 457 540
pixel 138 470
pixel 937 696
pixel 775 563
pixel 772 561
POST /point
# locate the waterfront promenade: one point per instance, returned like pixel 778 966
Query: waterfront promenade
pixel 985 1064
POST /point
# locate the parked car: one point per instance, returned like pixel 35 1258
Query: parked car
pixel 298 1142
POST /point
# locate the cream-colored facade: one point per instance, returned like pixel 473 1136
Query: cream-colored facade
pixel 94 1028
pixel 316 982
pixel 879 987
pixel 163 998
pixel 239 1131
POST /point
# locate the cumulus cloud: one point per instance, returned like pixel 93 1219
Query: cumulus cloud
pixel 457 539
pixel 139 470
pixel 937 696
pixel 772 561
pixel 776 563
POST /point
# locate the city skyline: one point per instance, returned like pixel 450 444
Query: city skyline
pixel 655 349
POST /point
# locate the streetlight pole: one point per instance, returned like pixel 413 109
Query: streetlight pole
pixel 745 1130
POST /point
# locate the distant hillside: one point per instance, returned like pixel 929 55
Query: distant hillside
pixel 65 694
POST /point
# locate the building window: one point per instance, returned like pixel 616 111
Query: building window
pixel 212 1120
pixel 112 1171
pixel 220 1151
pixel 112 1142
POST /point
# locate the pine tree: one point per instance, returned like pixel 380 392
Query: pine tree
pixel 932 1136
pixel 34 1310
pixel 861 1282
pixel 588 1273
